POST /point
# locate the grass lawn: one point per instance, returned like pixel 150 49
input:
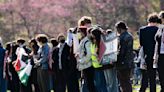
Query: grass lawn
pixel 136 88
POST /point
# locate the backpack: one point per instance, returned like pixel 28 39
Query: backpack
pixel 85 50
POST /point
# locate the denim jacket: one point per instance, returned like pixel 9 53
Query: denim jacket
pixel 43 58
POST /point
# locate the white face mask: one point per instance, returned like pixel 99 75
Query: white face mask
pixel 40 44
pixel 79 35
pixel 21 45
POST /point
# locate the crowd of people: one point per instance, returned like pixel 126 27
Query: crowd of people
pixel 71 63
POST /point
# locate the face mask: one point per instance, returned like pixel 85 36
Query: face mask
pixel 62 40
pixel 79 35
pixel 39 44
pixel 20 45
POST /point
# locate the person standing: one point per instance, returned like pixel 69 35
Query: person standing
pixel 84 59
pixel 33 56
pixel 110 71
pixel 8 56
pixel 2 79
pixel 13 82
pixel 125 57
pixel 61 66
pixel 42 62
pixel 159 51
pixel 147 41
pixel 23 52
pixel 52 63
pixel 99 77
pixel 73 82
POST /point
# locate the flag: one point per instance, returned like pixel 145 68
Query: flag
pixel 25 73
pixel 19 64
pixel 22 68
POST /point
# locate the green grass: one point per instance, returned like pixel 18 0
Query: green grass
pixel 136 88
pixel 136 42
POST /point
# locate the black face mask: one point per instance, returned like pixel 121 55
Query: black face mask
pixel 62 41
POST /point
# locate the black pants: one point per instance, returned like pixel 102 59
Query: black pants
pixel 124 80
pixel 27 88
pixel 72 82
pixel 43 80
pixel 148 76
pixel 160 71
pixel 34 79
pixel 61 81
pixel 54 81
pixel 13 84
pixel 89 78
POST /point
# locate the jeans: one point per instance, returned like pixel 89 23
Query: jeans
pixel 100 81
pixel 137 75
pixel 111 80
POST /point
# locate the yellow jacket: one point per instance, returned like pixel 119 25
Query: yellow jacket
pixel 95 62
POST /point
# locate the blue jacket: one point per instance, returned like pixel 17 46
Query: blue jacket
pixel 44 56
pixel 2 55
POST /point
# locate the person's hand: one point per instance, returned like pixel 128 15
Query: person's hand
pixel 77 56
pixel 155 61
pixel 30 55
pixel 4 75
pixel 13 63
pixel 50 64
pixel 8 60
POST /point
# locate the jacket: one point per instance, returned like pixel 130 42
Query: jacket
pixel 43 57
pixel 147 41
pixel 125 55
pixel 158 38
pixel 94 57
pixel 65 58
pixel 2 56
pixel 84 60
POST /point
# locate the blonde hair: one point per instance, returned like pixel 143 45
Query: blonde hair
pixel 161 14
pixel 42 38
pixel 83 20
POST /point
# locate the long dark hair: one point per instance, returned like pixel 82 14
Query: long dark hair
pixel 97 36
pixel 97 33
pixel 8 47
pixel 34 46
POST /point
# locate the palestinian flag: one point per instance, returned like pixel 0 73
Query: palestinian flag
pixel 22 68
pixel 25 73
pixel 19 64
